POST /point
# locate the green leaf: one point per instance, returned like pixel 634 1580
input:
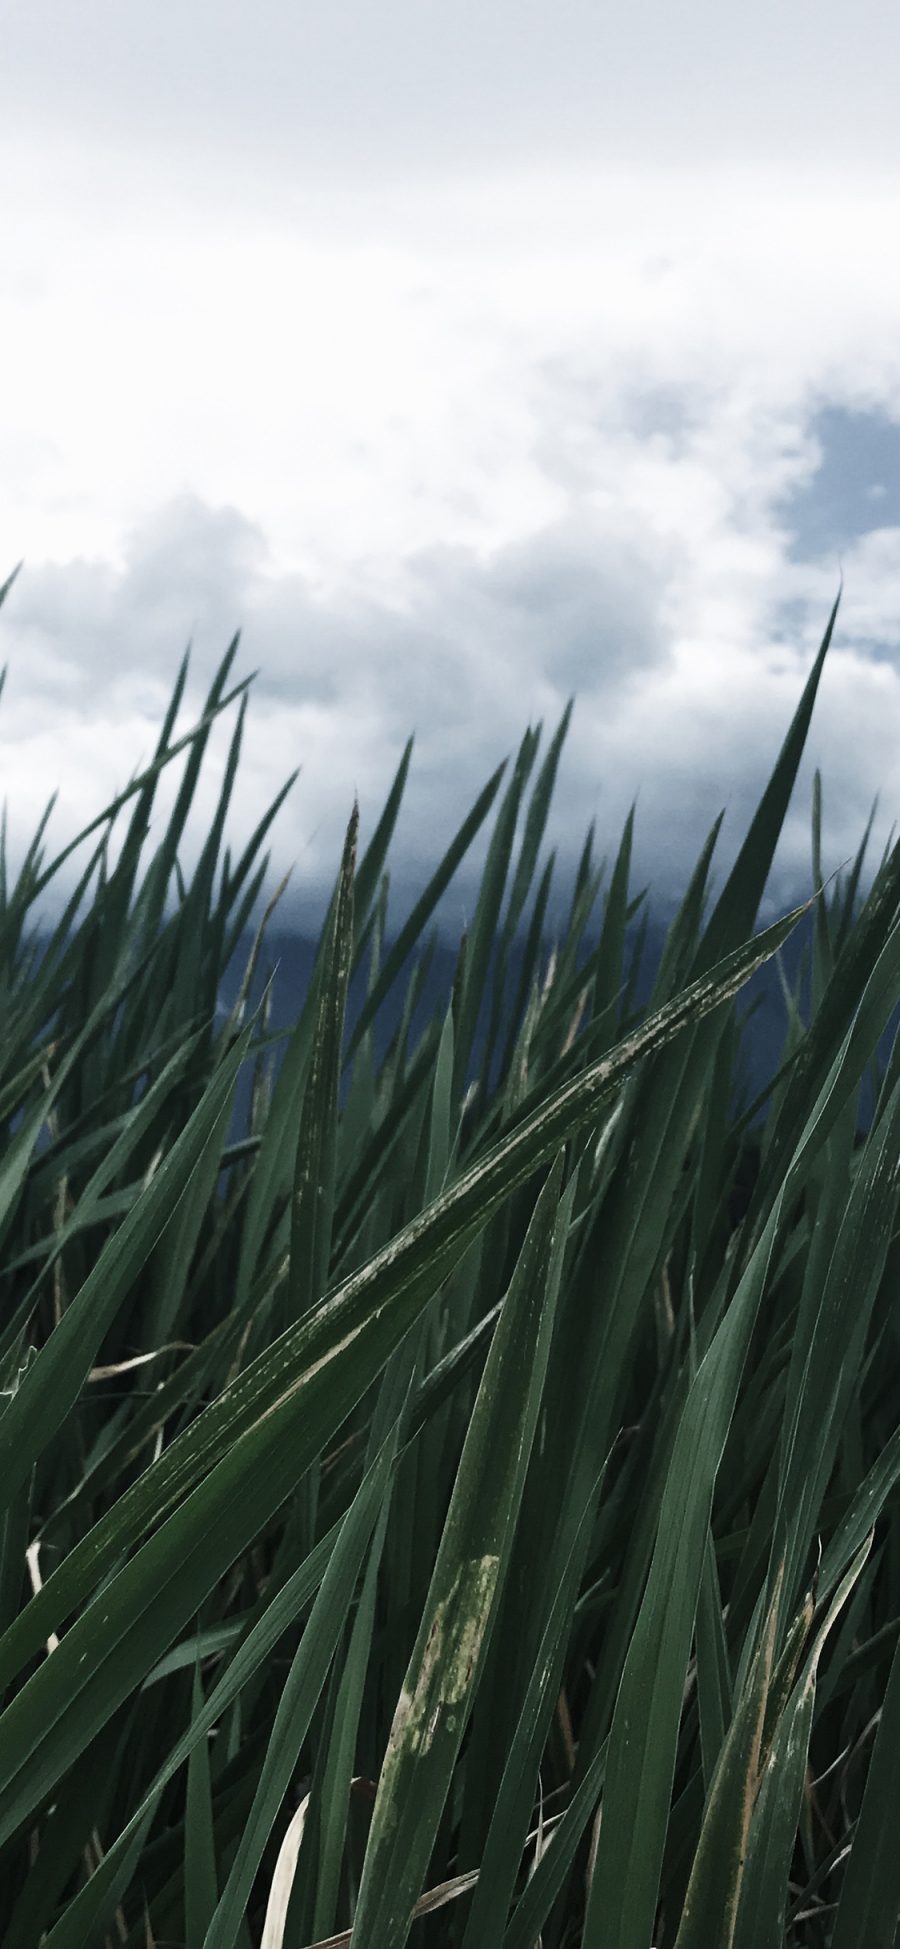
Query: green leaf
pixel 641 1759
pixel 200 1877
pixel 304 1684
pixel 763 1884
pixel 869 1906
pixel 55 1378
pixel 507 1835
pixel 423 909
pixel 121 1859
pixel 436 1699
pixel 314 1168
pixel 829 1342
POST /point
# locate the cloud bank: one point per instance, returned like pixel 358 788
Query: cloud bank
pixel 463 368
pixel 682 695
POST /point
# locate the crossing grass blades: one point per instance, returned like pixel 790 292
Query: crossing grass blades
pixel 431 1513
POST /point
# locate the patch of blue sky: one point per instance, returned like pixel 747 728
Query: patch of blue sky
pixel 856 486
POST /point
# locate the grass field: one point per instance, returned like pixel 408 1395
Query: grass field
pixel 438 1511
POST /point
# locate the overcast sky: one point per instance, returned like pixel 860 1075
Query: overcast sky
pixel 463 357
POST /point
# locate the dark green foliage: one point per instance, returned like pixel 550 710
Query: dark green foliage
pixel 467 1500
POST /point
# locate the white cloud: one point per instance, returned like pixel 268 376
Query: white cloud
pixel 452 438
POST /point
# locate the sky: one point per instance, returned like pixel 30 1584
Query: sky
pixel 465 358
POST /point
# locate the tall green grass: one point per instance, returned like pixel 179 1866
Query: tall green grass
pixel 431 1514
